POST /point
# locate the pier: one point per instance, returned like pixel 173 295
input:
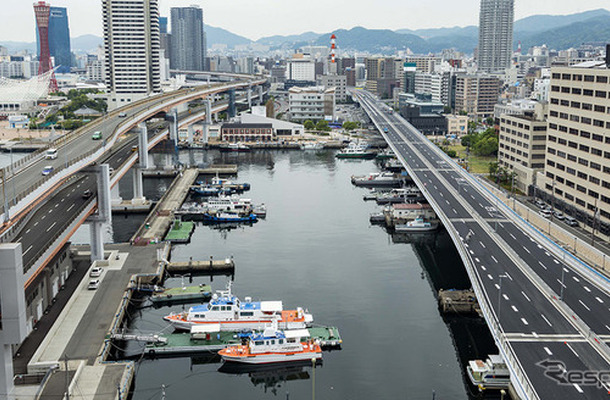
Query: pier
pixel 214 267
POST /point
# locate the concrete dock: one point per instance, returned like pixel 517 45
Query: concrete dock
pixel 162 216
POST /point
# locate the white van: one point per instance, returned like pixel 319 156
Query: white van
pixel 51 154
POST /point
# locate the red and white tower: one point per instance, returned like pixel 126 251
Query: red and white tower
pixel 333 47
pixel 42 11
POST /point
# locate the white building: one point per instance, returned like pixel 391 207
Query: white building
pixel 132 44
pixel 301 70
pixel 339 82
pixel 96 71
pixel 312 103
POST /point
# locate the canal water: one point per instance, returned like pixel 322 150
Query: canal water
pixel 317 249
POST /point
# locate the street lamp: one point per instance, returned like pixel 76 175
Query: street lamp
pixel 563 273
pixel 500 295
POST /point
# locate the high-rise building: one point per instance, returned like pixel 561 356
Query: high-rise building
pixel 576 176
pixel 495 35
pixel 59 39
pixel 188 48
pixel 42 10
pixel 131 44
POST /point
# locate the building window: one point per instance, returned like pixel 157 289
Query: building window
pixel 594 180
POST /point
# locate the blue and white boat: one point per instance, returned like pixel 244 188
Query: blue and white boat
pixel 417 225
pixel 228 216
pixel 234 315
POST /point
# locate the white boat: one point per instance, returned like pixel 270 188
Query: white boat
pixel 491 374
pixel 273 346
pixel 228 203
pixel 400 195
pixel 311 146
pixel 235 315
pixel 356 151
pixel 387 179
pixel 417 225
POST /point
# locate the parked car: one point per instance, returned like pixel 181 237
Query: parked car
pixel 97 135
pixel 96 272
pixel 87 193
pixel 47 170
pixel 93 284
pixel 540 204
pixel 570 221
pixel 122 115
pixel 559 215
pixel 545 213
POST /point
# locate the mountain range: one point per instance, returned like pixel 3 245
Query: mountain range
pixel 556 31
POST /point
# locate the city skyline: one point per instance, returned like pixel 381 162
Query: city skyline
pixel 406 14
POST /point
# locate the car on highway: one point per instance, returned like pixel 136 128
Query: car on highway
pixel 540 204
pixel 545 213
pixel 97 135
pixel 96 272
pixel 122 115
pixel 93 284
pixel 570 221
pixel 134 148
pixel 559 215
pixel 87 194
pixel 47 170
pixel 385 130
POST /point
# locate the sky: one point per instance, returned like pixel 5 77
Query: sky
pixel 259 18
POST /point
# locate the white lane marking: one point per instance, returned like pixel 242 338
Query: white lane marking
pixel 548 351
pixel 441 193
pixel 490 277
pixel 505 297
pixel 584 305
pixel 555 260
pixel 540 247
pixel 447 201
pixel 547 253
pixel 480 205
pixel 482 245
pixel 546 320
pixel 600 300
pixel 73 190
pixel 78 185
pixel 570 347
pixel 62 200
pixel 50 211
pixel 435 187
pixel 524 321
pixel 28 231
pixel 51 227
pixel 508 276
pixel 525 248
pixel 494 258
pixel 514 308
pixel 607 327
pixel 472 197
pixel 43 217
pixel 587 289
pixel 577 388
pixel 29 248
pixel 56 205
pixel 524 295
pixel 576 279
pixel 483 268
pixel 35 223
pixel 471 252
pixel 477 259
pixel 69 208
pixel 513 236
pixel 561 283
pixel 455 212
pixel 500 224
pixel 497 286
pixel 542 265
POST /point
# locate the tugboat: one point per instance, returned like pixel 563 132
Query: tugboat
pixel 234 315
pixel 491 374
pixel 417 225
pixel 272 346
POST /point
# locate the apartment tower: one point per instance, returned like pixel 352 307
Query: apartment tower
pixel 495 35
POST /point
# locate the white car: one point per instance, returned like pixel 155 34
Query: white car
pixel 96 272
pixel 93 284
pixel 545 213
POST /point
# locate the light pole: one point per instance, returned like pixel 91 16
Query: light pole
pixel 500 277
pixel 563 273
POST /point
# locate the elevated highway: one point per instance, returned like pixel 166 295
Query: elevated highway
pixel 548 312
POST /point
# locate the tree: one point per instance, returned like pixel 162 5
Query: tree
pixel 309 125
pixel 322 125
pixel 486 146
pixel 350 126
pixel 493 169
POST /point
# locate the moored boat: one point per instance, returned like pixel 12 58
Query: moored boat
pixel 234 147
pixel 489 374
pixel 401 195
pixel 356 151
pixel 378 179
pixel 311 145
pixel 228 216
pixel 234 315
pixel 417 225
pixel 273 346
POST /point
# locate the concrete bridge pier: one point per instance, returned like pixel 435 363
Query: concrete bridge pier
pixel 259 89
pixel 173 132
pixel 104 211
pixel 231 111
pixel 208 121
pixel 12 298
pixel 249 96
pixel 138 184
pixel 190 130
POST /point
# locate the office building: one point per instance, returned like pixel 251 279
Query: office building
pixel 477 95
pixel 381 76
pixel 426 116
pixel 409 73
pixel 338 82
pixel 311 103
pixel 457 125
pixel 187 48
pixel 577 173
pixel 59 39
pixel 425 64
pixel 495 35
pixel 131 50
pixel 522 145
pixel 301 70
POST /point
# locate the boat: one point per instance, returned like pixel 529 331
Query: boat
pixel 491 374
pixel 235 315
pixel 401 195
pixel 205 190
pixel 234 147
pixel 358 151
pixel 228 216
pixel 376 179
pixel 417 225
pixel 393 165
pixel 385 155
pixel 311 145
pixel 273 346
pixel 377 218
pixel 222 183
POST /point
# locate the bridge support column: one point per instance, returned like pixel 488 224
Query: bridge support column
pixel 104 211
pixel 208 121
pixel 249 95
pixel 231 110
pixel 12 298
pixel 138 185
pixel 259 89
pixel 173 124
pixel 114 193
pixel 189 133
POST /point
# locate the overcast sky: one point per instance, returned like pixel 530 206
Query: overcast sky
pixel 258 18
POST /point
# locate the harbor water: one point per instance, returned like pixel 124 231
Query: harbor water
pixel 316 249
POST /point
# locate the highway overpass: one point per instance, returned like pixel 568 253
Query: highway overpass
pixel 548 312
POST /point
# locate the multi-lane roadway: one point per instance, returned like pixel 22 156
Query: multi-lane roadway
pixel 546 309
